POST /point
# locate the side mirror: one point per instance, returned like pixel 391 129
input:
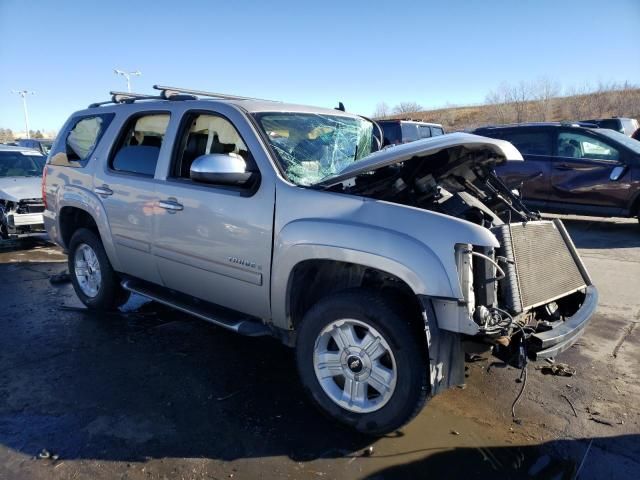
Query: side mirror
pixel 221 169
pixel 617 172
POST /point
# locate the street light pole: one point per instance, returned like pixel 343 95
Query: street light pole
pixel 23 94
pixel 127 76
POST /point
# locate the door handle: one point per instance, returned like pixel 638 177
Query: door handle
pixel 171 205
pixel 104 190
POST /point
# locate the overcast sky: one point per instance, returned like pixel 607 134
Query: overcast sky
pixel 430 52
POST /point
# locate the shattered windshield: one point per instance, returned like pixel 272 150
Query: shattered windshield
pixel 312 147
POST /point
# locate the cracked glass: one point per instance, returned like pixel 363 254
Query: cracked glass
pixel 311 147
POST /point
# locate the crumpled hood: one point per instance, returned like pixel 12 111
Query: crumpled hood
pixel 15 189
pixel 478 149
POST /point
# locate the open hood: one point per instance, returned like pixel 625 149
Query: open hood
pixel 464 150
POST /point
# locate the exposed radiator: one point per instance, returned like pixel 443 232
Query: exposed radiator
pixel 544 264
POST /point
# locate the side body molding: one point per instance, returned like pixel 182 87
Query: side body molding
pixel 320 239
pixel 83 199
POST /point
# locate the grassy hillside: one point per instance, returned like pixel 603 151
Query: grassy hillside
pixel 622 103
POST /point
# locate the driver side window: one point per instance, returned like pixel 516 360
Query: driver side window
pixel 207 134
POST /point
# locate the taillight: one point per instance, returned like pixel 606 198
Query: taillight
pixel 44 188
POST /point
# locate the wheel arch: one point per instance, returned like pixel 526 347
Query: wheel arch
pixel 347 256
pixel 77 209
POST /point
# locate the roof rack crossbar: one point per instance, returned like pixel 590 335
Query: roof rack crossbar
pixel 127 97
pixel 168 91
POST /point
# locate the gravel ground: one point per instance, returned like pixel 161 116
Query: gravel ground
pixel 151 393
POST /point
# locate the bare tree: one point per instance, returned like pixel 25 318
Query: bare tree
pixel 577 103
pixel 407 107
pixel 544 92
pixel 519 96
pixel 500 110
pixel 6 135
pixel 382 110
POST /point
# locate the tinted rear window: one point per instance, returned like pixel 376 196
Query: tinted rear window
pixel 529 143
pixel 613 124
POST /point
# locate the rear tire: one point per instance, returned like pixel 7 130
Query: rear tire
pixel 92 276
pixel 361 361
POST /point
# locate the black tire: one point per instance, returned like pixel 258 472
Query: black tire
pixel 408 348
pixel 110 295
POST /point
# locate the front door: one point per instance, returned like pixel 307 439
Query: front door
pixel 214 241
pixel 589 171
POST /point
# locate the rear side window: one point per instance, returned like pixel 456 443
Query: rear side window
pixel 80 140
pixel 435 131
pixel 529 143
pixel 409 132
pixel 424 131
pixel 139 144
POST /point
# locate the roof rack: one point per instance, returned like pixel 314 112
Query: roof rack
pixel 128 97
pixel 168 92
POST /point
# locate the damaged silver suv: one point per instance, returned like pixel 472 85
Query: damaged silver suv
pixel 380 266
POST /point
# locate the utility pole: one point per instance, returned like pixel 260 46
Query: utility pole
pixel 23 94
pixel 127 75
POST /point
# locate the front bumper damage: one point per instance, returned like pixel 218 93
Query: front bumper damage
pixel 550 343
pixel 17 220
pixel 538 305
pixel 23 217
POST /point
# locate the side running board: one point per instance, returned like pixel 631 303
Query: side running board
pixel 211 313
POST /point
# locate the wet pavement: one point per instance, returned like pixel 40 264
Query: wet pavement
pixel 152 393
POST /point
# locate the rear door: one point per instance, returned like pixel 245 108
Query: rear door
pixel 533 176
pixel 213 241
pixel 126 187
pixel 589 170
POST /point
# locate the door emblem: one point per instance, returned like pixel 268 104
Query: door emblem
pixel 243 262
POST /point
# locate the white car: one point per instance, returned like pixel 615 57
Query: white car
pixel 21 203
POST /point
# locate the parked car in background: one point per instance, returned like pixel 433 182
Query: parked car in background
pixel 21 204
pixel 43 145
pixel 636 135
pixel 628 126
pixel 573 169
pixel 273 219
pixel 396 132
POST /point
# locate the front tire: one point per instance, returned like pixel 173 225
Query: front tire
pixel 92 276
pixel 362 362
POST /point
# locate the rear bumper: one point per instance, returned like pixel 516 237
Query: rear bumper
pixel 550 343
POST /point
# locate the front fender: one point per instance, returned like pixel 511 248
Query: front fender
pixel 83 199
pixel 392 252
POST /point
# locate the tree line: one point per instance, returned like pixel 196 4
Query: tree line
pixel 7 135
pixel 538 101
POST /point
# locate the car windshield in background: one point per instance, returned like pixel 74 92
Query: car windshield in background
pixel 621 138
pixel 19 164
pixel 46 147
pixel 312 147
